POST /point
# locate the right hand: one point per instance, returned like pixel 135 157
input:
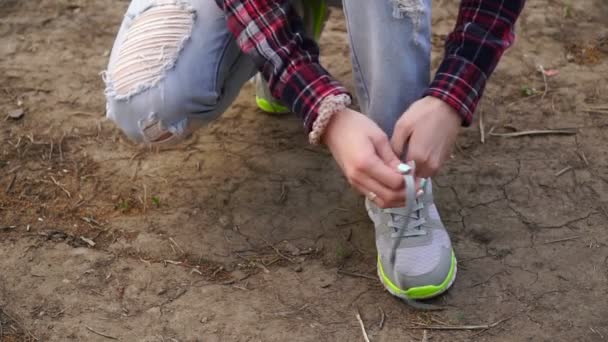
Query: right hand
pixel 364 153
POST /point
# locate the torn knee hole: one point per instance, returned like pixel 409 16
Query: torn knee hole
pixel 151 46
pixel 154 131
pixel 410 8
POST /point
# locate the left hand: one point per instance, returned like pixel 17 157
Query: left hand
pixel 429 129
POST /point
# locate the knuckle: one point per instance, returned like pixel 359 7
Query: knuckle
pixel 401 123
pixel 396 197
pixel 361 166
pixel 351 178
pixel 434 165
pixel 423 161
pixel 379 137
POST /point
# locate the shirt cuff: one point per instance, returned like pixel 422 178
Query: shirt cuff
pixel 460 84
pixel 330 106
pixel 305 90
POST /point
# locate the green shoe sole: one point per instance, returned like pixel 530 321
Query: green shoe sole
pixel 319 12
pixel 420 292
pixel 269 107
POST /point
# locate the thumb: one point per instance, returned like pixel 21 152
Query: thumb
pixel 386 153
pixel 401 135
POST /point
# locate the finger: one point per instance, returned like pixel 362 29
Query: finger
pixel 414 154
pixel 419 183
pixel 422 168
pixel 420 186
pixel 385 174
pixel 401 135
pixel 385 151
pixel 385 197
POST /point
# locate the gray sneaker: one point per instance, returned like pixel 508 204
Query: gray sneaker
pixel 415 256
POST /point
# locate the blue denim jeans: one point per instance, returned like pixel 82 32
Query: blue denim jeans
pixel 175 66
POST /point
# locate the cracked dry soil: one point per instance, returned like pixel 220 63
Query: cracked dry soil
pixel 238 235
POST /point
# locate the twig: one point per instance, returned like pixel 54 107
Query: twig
pixel 90 220
pixel 283 196
pixel 176 245
pixel 602 107
pixel 61 187
pixel 100 334
pixel 10 184
pixel 60 147
pixel 521 100
pixel 137 154
pixel 365 337
pixel 598 109
pixel 51 151
pixel 565 131
pixel 564 170
pixel 27 332
pixel 597 332
pixel 542 71
pixel 352 274
pixel 255 263
pixel 462 327
pixel 562 240
pixel 583 157
pixel 425 337
pixel 217 271
pixel 172 262
pixel 481 128
pixel 382 318
pixel 485 281
pixel 145 197
pixel 286 313
pixel 88 241
pixel 278 251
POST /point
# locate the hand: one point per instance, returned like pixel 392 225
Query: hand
pixel 429 129
pixel 363 152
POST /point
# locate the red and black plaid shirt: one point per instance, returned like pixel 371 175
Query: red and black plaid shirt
pixel 272 34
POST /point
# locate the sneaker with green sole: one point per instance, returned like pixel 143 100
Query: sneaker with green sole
pixel 314 15
pixel 415 256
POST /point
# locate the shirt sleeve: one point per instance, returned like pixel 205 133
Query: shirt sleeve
pixel 484 30
pixel 272 34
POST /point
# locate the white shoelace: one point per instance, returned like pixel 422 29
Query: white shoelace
pixel 407 221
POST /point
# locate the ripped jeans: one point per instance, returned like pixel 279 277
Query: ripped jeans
pixel 175 66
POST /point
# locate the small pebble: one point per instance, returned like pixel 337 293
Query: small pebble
pixel 16 114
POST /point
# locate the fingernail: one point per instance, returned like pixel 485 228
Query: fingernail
pixel 404 168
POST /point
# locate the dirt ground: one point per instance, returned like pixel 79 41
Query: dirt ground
pixel 246 233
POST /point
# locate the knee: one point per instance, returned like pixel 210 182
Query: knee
pixel 145 53
pixel 145 124
pixel 147 47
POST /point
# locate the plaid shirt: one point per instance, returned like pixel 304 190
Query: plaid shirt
pixel 271 33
